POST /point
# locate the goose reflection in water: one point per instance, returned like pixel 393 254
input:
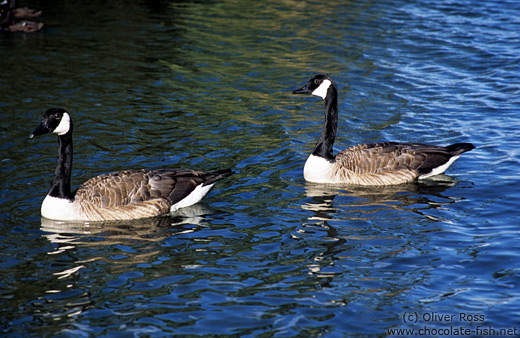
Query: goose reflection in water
pixel 70 234
pixel 115 250
pixel 370 200
pixel 351 225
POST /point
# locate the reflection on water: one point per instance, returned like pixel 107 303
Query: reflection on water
pixel 70 234
pixel 117 247
pixel 413 197
pixel 349 223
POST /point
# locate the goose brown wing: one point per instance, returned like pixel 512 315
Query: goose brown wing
pixel 376 158
pixel 134 194
pixel 131 187
pixel 425 157
pixel 176 184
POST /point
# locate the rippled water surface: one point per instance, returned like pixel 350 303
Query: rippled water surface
pixel 207 85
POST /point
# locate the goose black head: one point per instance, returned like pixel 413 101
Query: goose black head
pixel 55 120
pixel 318 86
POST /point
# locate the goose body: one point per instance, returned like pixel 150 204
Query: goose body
pixel 122 195
pixel 384 163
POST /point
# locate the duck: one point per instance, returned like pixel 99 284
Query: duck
pixel 25 26
pixel 19 19
pixel 122 195
pixel 26 13
pixel 372 164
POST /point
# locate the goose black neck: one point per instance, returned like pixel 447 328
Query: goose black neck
pixel 60 185
pixel 326 140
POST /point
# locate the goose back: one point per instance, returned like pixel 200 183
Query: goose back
pixel 134 186
pixel 389 163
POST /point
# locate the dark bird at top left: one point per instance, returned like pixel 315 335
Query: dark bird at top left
pixel 19 19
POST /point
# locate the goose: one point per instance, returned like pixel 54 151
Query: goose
pixel 122 195
pixel 374 164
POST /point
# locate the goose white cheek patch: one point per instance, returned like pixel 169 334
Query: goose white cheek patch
pixel 321 91
pixel 64 126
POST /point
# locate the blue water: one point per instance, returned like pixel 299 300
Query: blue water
pixel 207 85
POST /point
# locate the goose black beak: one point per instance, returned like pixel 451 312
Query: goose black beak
pixel 40 130
pixel 302 90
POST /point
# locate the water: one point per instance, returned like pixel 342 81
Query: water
pixel 207 85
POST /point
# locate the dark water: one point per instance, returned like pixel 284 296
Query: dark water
pixel 207 85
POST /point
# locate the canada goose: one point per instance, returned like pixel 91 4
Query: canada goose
pixel 123 195
pixel 383 163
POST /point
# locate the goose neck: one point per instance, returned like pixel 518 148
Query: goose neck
pixel 60 185
pixel 324 146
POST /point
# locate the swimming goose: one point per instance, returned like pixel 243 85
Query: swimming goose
pixel 385 163
pixel 123 195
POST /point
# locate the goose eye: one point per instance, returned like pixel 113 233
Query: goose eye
pixel 316 81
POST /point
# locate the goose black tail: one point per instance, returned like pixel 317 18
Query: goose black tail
pixel 459 148
pixel 214 176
